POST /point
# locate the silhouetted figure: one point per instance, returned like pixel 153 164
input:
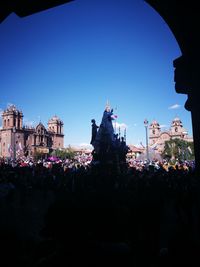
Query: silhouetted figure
pixel 117 142
pixel 123 148
pixel 106 123
pixel 105 136
pixel 94 131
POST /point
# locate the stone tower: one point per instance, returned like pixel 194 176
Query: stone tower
pixel 12 118
pixel 11 134
pixel 177 129
pixel 55 125
pixel 55 128
pixel 154 132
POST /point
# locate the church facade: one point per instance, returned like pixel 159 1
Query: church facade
pixel 17 140
pixel 157 137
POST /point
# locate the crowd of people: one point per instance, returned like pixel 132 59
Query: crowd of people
pixel 140 213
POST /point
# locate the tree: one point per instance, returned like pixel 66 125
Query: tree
pixel 178 149
pixel 38 155
pixel 66 153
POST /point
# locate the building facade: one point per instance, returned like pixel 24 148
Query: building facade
pixel 157 137
pixel 17 140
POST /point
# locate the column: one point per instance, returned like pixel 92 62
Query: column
pixel 187 82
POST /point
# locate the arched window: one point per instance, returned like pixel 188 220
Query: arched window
pixel 4 123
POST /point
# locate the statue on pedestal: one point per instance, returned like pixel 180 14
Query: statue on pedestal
pixel 108 148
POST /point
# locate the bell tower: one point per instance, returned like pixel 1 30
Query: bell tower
pixel 12 117
pixel 55 128
pixel 55 125
pixel 154 132
pixel 177 130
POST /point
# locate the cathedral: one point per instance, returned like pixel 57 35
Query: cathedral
pixel 17 140
pixel 157 137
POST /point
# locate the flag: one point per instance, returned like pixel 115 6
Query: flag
pixel 189 149
pixel 114 117
pixel 10 150
pixel 20 146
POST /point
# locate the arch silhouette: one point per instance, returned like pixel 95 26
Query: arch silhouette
pixel 183 20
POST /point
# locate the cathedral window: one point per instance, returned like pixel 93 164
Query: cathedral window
pixel 176 129
pixel 153 131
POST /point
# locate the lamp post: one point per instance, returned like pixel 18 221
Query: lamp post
pixel 146 123
pixel 14 148
pixel 184 149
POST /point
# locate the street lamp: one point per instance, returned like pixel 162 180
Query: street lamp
pixel 146 130
pixel 14 148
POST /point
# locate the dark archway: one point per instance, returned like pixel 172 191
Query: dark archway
pixel 182 18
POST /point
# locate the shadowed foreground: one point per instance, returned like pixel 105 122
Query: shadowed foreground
pixel 62 217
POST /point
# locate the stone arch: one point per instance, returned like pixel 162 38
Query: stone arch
pixel 183 20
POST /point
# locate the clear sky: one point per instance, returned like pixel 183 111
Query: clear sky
pixel 69 60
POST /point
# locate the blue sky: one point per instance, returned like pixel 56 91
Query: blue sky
pixel 69 60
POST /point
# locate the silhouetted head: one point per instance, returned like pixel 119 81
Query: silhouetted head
pixel 92 121
pixel 107 108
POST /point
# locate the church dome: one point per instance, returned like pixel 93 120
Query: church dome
pixel 154 123
pixel 176 119
pixel 55 119
pixel 11 108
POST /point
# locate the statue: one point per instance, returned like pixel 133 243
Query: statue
pixel 94 131
pixel 106 130
pixel 108 149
